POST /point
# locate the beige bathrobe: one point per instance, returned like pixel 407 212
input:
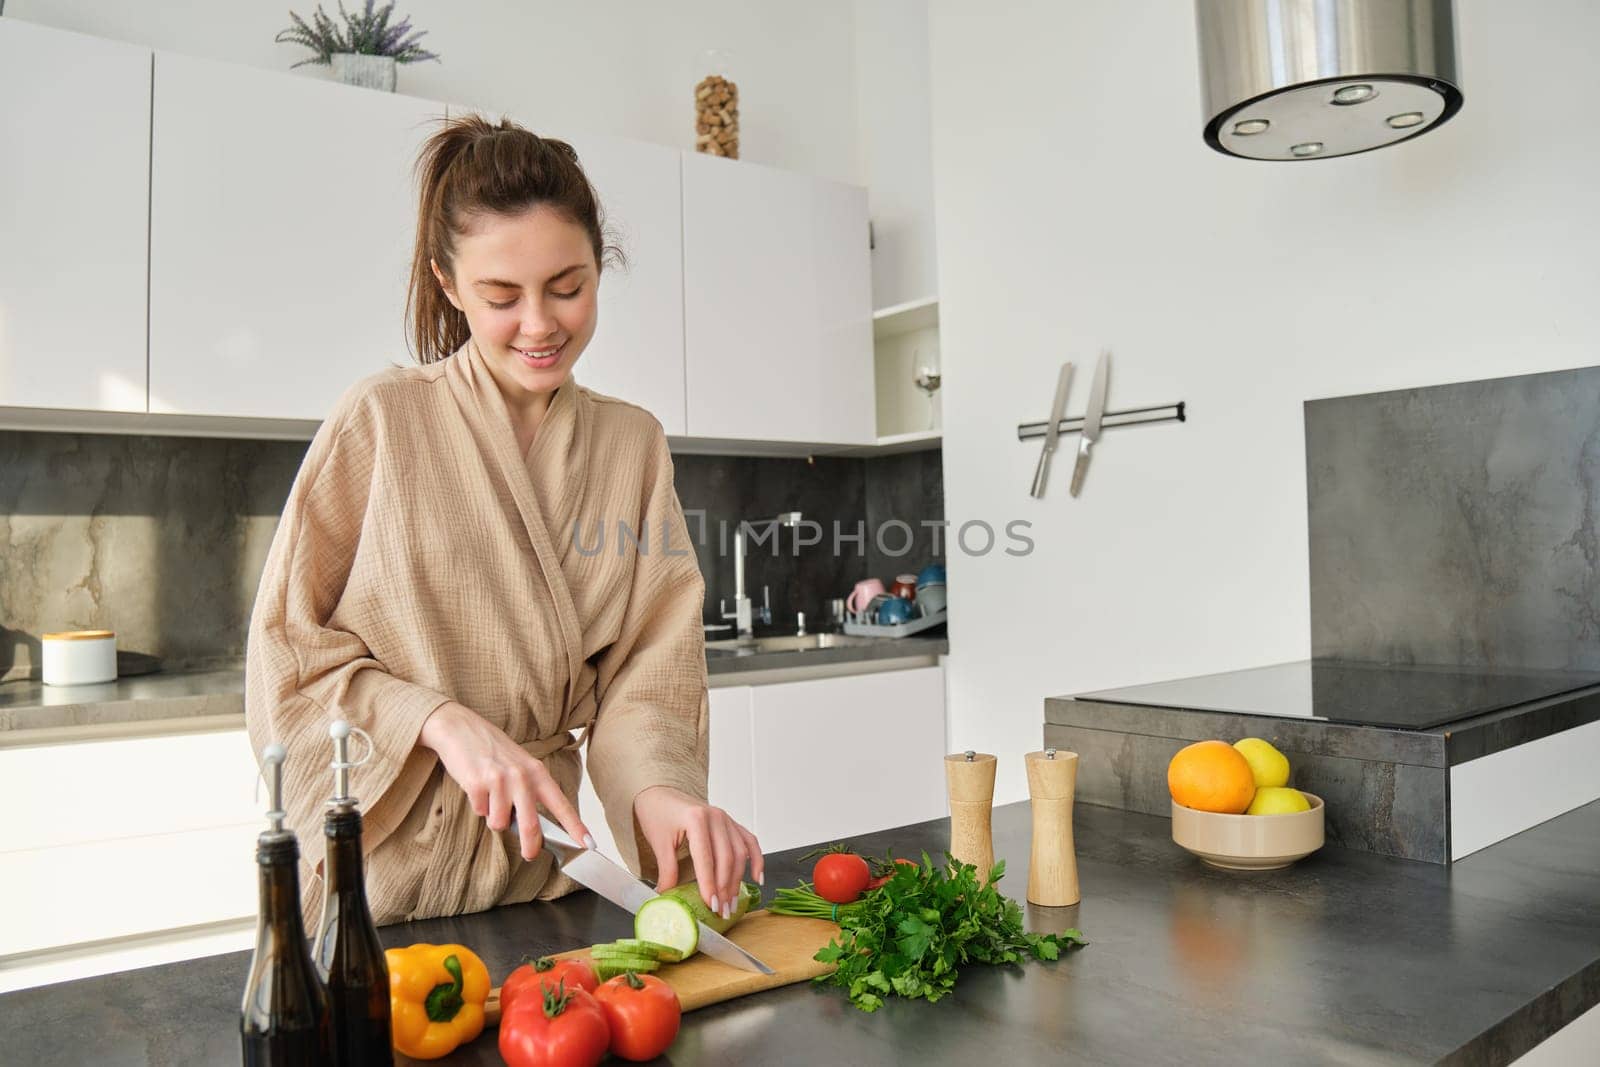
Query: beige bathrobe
pixel 421 559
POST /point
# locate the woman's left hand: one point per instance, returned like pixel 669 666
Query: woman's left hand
pixel 718 846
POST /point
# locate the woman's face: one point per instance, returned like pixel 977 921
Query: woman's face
pixel 528 287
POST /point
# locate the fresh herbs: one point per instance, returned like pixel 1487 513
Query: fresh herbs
pixel 910 936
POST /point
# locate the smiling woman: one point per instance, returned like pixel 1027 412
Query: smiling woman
pixel 422 584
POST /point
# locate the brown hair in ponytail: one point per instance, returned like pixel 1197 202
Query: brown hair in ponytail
pixel 471 168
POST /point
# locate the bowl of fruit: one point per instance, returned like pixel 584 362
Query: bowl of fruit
pixel 1232 806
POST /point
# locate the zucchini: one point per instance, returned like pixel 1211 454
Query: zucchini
pixel 617 959
pixel 663 953
pixel 605 970
pixel 672 918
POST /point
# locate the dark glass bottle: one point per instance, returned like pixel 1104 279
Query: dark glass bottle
pixel 349 953
pixel 285 1021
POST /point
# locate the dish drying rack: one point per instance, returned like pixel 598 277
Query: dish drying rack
pixel 855 628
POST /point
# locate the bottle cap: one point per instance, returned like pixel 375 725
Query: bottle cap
pixel 340 730
pixel 272 759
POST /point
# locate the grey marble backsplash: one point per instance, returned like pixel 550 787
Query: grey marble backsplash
pixel 1458 524
pixel 162 539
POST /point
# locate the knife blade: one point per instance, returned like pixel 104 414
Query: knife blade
pixel 617 884
pixel 1091 420
pixel 1052 430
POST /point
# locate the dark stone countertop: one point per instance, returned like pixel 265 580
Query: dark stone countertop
pixel 34 713
pixel 1164 708
pixel 724 661
pixel 1347 957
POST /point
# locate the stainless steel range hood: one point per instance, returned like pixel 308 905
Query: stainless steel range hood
pixel 1310 79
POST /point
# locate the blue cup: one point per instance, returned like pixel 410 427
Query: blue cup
pixel 932 574
pixel 895 610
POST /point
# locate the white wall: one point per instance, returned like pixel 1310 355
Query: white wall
pixel 605 66
pixel 1077 206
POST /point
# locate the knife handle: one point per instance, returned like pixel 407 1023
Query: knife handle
pixel 1041 474
pixel 554 834
pixel 1081 467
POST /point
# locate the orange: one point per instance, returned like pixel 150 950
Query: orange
pixel 1212 776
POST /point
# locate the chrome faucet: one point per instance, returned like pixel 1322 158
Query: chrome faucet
pixel 744 613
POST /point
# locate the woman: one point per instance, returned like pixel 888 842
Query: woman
pixel 426 581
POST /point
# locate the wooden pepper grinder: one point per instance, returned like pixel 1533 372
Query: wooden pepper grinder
pixel 1053 864
pixel 970 779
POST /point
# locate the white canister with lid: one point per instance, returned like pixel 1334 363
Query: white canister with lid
pixel 80 657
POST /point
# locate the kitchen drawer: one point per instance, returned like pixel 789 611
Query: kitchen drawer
pixel 79 893
pixel 105 790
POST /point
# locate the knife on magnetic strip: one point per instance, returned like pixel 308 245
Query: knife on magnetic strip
pixel 592 870
pixel 1091 420
pixel 1052 431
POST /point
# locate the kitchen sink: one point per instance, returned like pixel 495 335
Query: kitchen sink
pixel 785 643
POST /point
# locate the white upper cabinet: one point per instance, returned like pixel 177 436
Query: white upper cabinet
pixel 283 214
pixel 777 305
pixel 637 351
pixel 74 199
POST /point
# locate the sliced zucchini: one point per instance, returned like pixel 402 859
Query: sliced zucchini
pixel 664 953
pixel 608 969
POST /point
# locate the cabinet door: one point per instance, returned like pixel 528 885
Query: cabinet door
pixel 74 219
pixel 283 214
pixel 843 756
pixel 77 865
pixel 731 786
pixel 637 351
pixel 777 305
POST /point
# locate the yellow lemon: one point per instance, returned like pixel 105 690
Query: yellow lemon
pixel 1270 766
pixel 1276 800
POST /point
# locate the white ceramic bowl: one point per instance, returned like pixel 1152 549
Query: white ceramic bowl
pixel 1249 842
pixel 79 657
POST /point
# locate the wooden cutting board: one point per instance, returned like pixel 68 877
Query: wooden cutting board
pixel 786 943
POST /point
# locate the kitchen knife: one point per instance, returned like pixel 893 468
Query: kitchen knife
pixel 593 871
pixel 1052 430
pixel 1091 420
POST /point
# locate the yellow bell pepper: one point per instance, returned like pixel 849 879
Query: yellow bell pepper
pixel 436 998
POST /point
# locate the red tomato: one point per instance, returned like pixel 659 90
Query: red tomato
pixel 643 1012
pixel 839 877
pixel 883 879
pixel 550 1030
pixel 547 973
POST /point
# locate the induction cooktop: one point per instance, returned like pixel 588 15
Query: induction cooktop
pixel 1366 694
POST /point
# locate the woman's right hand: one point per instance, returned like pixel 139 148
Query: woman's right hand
pixel 498 776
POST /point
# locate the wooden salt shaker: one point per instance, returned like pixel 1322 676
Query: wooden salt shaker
pixel 970 779
pixel 1053 863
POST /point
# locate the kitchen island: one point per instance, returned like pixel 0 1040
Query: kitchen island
pixel 1348 957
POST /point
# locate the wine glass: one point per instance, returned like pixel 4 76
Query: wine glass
pixel 926 376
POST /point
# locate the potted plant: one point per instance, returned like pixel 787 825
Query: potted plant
pixel 366 51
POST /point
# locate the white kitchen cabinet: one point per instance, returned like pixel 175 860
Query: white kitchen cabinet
pixel 74 194
pixel 130 837
pixel 637 351
pixel 731 784
pixel 837 757
pixel 282 215
pixel 777 305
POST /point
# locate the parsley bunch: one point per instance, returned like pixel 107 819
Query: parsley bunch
pixel 910 936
